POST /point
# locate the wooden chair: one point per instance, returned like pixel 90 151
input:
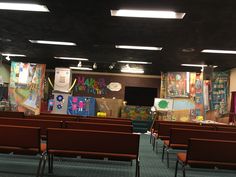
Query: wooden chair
pixel 208 153
pixel 107 121
pixel 68 142
pixel 99 126
pixel 22 140
pixel 179 138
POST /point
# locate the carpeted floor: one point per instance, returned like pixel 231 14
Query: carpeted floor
pixel 151 166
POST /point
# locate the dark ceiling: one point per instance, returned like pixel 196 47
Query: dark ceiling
pixel 207 24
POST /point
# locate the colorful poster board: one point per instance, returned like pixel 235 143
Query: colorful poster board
pixel 199 102
pixel 26 87
pixel 163 104
pixel 219 95
pixel 178 84
pixel 136 112
pixel 83 106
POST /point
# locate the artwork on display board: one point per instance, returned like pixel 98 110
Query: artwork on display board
pixel 89 85
pixel 62 81
pixel 60 103
pixel 163 104
pixel 83 106
pixel 136 112
pixel 26 87
pixel 178 84
pixel 199 102
pixel 220 92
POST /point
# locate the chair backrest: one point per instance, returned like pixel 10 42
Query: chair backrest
pixel 158 122
pixel 181 136
pixel 110 118
pixel 60 115
pixel 43 124
pixel 99 126
pixel 164 129
pixel 56 117
pixel 211 153
pixel 68 140
pixel 107 121
pixel 19 139
pixel 228 129
pixel 11 114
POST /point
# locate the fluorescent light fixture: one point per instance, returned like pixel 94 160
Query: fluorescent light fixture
pixel 81 68
pixel 12 55
pixel 135 62
pixel 197 65
pixel 147 14
pixel 132 70
pixel 219 51
pixel 137 47
pixel 194 65
pixel 23 7
pixel 53 42
pixel 71 58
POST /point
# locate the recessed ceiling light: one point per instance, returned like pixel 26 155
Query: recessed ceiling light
pixel 219 51
pixel 71 58
pixel 135 62
pixel 12 55
pixel 53 42
pixel 197 65
pixel 137 47
pixel 81 68
pixel 147 14
pixel 23 7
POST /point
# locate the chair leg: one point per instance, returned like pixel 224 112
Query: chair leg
pixel 137 172
pixel 163 152
pixel 42 160
pixel 183 168
pixel 156 147
pixel 44 164
pixel 167 158
pixel 153 143
pixel 49 163
pixel 176 167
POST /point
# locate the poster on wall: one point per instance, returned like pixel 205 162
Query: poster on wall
pixel 26 87
pixel 178 84
pixel 162 104
pixel 90 85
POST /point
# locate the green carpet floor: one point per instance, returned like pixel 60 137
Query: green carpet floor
pixel 151 166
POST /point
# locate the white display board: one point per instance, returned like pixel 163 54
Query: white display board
pixel 60 105
pixel 163 104
pixel 63 77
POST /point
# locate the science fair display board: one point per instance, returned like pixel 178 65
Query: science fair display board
pixel 26 87
pixel 83 106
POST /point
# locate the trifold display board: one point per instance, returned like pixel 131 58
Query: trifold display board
pixel 83 106
pixel 26 87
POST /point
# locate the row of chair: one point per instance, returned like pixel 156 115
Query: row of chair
pixel 44 124
pixel 205 144
pixel 68 143
pixel 161 129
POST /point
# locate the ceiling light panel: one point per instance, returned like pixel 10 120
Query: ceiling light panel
pixel 71 58
pixel 12 55
pixel 23 7
pixel 137 47
pixel 219 51
pixel 81 68
pixel 135 62
pixel 53 42
pixel 147 14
